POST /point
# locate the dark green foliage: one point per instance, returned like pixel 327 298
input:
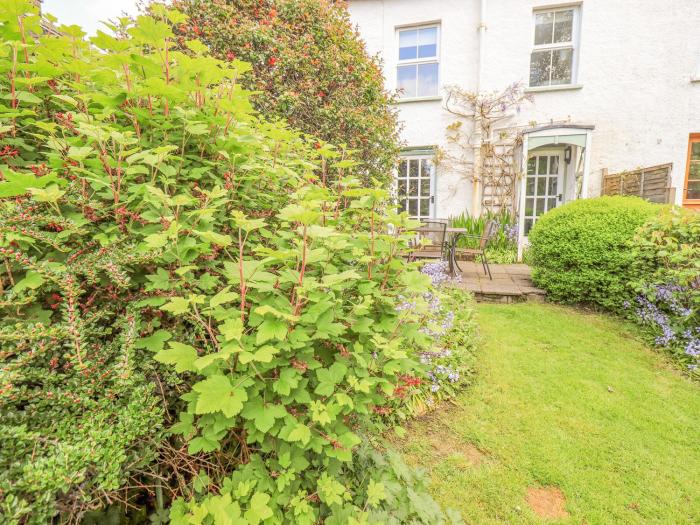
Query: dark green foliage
pixel 309 67
pixel 580 252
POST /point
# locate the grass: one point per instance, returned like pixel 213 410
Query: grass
pixel 572 401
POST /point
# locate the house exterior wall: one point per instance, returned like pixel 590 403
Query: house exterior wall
pixel 636 62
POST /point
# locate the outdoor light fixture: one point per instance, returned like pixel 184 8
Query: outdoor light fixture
pixel 567 155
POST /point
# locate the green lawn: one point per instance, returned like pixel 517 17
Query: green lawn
pixel 573 403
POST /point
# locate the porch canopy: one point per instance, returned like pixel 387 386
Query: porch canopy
pixel 555 167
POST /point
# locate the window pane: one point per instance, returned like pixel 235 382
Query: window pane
pixel 426 168
pixel 543 28
pixel 553 185
pixel 425 207
pixel 427 42
pixel 541 165
pixel 425 187
pixel 408 41
pixel 554 164
pixel 403 168
pixel 413 207
pixel 531 165
pixel 427 80
pixel 695 151
pixel 539 68
pixel 529 207
pixel 401 188
pixel 693 190
pixel 561 66
pixel 530 186
pixel 406 81
pixel 552 203
pixel 563 26
pixel 413 187
pixel 413 169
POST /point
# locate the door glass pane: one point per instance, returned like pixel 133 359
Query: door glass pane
pixel 413 169
pixel 424 207
pixel 531 162
pixel 540 206
pixel 408 40
pixel 401 188
pixel 427 80
pixel 406 81
pixel 530 186
pixel 529 206
pixel 425 187
pixel 413 187
pixel 528 225
pixel 553 185
pixel 563 26
pixel 552 203
pixel 561 66
pixel 426 168
pixel 541 165
pixel 539 68
pixel 427 42
pixel 541 186
pixel 413 207
pixel 544 28
pixel 554 164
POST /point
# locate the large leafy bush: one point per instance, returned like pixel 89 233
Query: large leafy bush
pixel 580 251
pixel 172 259
pixel 310 68
pixel 666 276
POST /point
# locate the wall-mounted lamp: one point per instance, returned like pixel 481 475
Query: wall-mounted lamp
pixel 567 155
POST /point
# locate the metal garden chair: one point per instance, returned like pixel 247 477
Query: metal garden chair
pixel 490 229
pixel 430 241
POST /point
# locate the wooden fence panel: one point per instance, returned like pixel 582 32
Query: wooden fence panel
pixel 652 184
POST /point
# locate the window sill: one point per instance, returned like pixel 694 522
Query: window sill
pixel 418 99
pixel 563 87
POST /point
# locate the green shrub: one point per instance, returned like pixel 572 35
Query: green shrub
pixel 170 258
pixel 309 66
pixel 666 278
pixel 580 252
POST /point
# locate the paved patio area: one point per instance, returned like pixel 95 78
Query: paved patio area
pixel 511 283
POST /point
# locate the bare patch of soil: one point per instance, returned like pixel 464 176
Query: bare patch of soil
pixel 547 502
pixel 445 446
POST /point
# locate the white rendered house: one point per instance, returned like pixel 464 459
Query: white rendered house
pixel 613 85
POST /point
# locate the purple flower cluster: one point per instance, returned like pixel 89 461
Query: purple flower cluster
pixel 439 273
pixel 439 374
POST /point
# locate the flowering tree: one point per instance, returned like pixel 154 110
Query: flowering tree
pixel 310 68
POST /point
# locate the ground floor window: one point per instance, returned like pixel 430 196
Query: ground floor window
pixel 415 185
pixel 543 186
pixel 692 176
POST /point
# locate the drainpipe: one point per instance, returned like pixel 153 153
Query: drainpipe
pixel 476 185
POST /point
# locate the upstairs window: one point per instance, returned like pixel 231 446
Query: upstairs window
pixel 553 58
pixel 418 65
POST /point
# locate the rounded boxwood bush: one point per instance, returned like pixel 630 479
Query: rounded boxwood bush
pixel 580 251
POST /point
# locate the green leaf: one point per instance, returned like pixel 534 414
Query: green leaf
pixel 375 493
pixel 223 297
pixel 259 510
pixel 232 329
pixel 154 342
pixel 218 394
pixel 300 433
pixel 271 329
pixel 177 305
pixel 31 281
pixel 180 355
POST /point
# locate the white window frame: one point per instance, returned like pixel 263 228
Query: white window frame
pixel 574 44
pixel 416 61
pixel 419 156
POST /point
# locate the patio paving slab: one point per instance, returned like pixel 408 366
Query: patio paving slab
pixel 510 283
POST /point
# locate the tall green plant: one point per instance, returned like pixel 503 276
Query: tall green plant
pixel 169 256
